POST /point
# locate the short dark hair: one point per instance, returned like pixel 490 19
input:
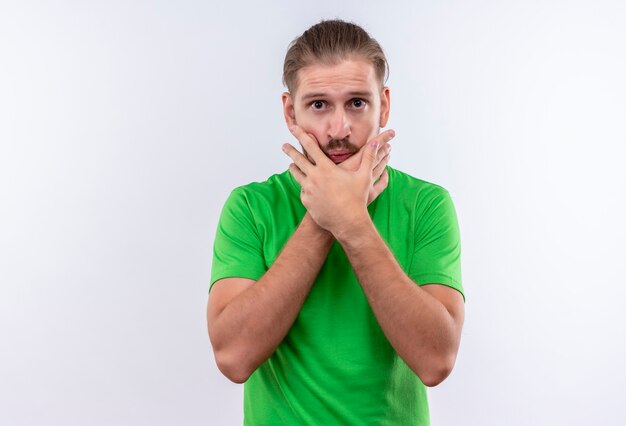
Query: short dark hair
pixel 329 42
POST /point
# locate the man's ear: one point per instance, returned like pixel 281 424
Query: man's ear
pixel 288 109
pixel 385 106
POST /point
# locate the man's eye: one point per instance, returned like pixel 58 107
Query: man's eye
pixel 358 103
pixel 317 104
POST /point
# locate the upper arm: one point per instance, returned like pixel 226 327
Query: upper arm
pixel 451 299
pixel 237 247
pixel 238 259
pixel 224 291
pixel 437 249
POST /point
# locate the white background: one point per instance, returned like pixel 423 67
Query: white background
pixel 124 126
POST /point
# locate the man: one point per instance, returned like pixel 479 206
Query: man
pixel 336 286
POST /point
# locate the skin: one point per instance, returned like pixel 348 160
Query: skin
pixel 247 322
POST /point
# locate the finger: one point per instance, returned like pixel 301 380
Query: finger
pixel 300 160
pixel 383 140
pixel 368 162
pixel 368 159
pixel 383 151
pixel 384 137
pixel 353 163
pixel 297 173
pixel 379 186
pixel 380 167
pixel 309 144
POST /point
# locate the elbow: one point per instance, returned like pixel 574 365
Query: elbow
pixel 437 370
pixel 232 367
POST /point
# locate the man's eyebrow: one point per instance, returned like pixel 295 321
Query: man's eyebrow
pixel 355 94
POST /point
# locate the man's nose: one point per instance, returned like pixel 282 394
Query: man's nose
pixel 339 126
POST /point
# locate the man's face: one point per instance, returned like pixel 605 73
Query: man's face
pixel 342 105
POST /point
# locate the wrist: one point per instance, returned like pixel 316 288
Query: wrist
pixel 309 224
pixel 357 225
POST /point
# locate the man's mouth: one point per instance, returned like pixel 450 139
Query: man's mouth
pixel 338 157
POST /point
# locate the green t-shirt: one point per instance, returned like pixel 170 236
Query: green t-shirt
pixel 335 366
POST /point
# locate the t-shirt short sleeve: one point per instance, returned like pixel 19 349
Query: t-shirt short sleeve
pixel 237 249
pixel 437 248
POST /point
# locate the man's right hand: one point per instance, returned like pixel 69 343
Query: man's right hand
pixel 379 173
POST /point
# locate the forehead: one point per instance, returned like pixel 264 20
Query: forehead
pixel 348 76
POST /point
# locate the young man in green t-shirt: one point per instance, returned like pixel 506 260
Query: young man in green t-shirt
pixel 336 290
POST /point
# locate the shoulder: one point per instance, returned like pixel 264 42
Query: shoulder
pixel 275 187
pixel 278 180
pixel 263 200
pixel 405 187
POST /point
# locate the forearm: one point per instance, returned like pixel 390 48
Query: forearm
pixel 417 325
pixel 253 324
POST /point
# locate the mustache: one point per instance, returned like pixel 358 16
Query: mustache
pixel 334 144
pixel 340 144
